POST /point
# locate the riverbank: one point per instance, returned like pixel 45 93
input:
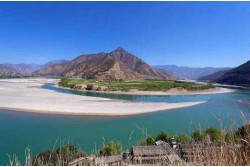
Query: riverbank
pixel 27 95
pixel 171 92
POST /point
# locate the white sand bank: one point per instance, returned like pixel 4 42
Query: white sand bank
pixel 171 92
pixel 27 95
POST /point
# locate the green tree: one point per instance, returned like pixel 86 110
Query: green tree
pixel 111 148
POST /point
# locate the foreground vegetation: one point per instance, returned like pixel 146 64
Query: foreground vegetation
pixel 210 139
pixel 127 85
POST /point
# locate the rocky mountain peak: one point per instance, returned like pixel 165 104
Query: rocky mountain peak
pixel 118 64
pixel 120 49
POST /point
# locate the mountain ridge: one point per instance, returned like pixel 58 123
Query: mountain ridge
pixel 213 76
pixel 118 64
pixel 237 76
pixel 23 68
pixel 193 73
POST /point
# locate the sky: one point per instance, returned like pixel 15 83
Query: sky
pixel 195 34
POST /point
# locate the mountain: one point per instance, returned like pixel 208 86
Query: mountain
pixel 55 62
pixel 26 68
pixel 183 72
pixel 213 76
pixel 18 68
pixel 118 64
pixel 5 69
pixel 237 76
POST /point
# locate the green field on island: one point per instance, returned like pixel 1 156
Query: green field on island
pixel 127 85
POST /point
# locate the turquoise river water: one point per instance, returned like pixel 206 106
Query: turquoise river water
pixel 40 132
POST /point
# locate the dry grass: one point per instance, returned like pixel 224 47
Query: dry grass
pixel 208 155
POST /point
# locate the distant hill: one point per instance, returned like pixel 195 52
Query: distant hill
pixel 55 62
pixel 6 69
pixel 19 68
pixel 118 64
pixel 183 72
pixel 25 68
pixel 237 76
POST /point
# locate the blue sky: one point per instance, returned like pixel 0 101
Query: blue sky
pixel 196 34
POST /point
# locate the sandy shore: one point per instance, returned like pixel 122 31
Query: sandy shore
pixel 172 92
pixel 27 95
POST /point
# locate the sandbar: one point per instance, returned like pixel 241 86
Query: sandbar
pixel 27 95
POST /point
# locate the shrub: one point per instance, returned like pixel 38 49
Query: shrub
pixel 244 132
pixel 49 157
pixel 142 142
pixel 111 148
pixel 60 156
pixel 90 87
pixel 183 139
pixel 163 136
pixel 150 140
pixel 64 83
pixel 197 135
pixel 232 137
pixel 214 134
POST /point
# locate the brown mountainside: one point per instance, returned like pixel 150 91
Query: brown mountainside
pixel 118 64
pixel 237 76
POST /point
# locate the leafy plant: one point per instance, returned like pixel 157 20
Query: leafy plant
pixel 112 148
pixel 163 136
pixel 150 140
pixel 183 139
pixel 197 135
pixel 214 134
